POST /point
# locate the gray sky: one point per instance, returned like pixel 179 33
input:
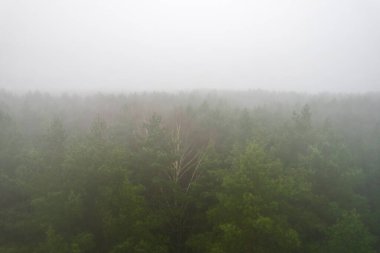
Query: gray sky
pixel 121 45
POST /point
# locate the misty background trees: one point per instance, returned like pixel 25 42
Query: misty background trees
pixel 189 172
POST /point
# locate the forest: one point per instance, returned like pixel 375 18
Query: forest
pixel 189 172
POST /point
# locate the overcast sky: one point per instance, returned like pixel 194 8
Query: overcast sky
pixel 124 45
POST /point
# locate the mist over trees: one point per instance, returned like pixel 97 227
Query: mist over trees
pixel 191 172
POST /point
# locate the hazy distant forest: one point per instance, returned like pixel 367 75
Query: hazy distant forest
pixel 191 172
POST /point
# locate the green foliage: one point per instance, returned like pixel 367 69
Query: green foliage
pixel 54 243
pixel 189 173
pixel 251 213
pixel 349 235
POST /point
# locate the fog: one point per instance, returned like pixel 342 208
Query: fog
pixel 114 45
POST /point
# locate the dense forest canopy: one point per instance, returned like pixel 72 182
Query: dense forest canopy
pixel 191 172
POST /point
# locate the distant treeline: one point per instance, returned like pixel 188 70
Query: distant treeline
pixel 190 172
